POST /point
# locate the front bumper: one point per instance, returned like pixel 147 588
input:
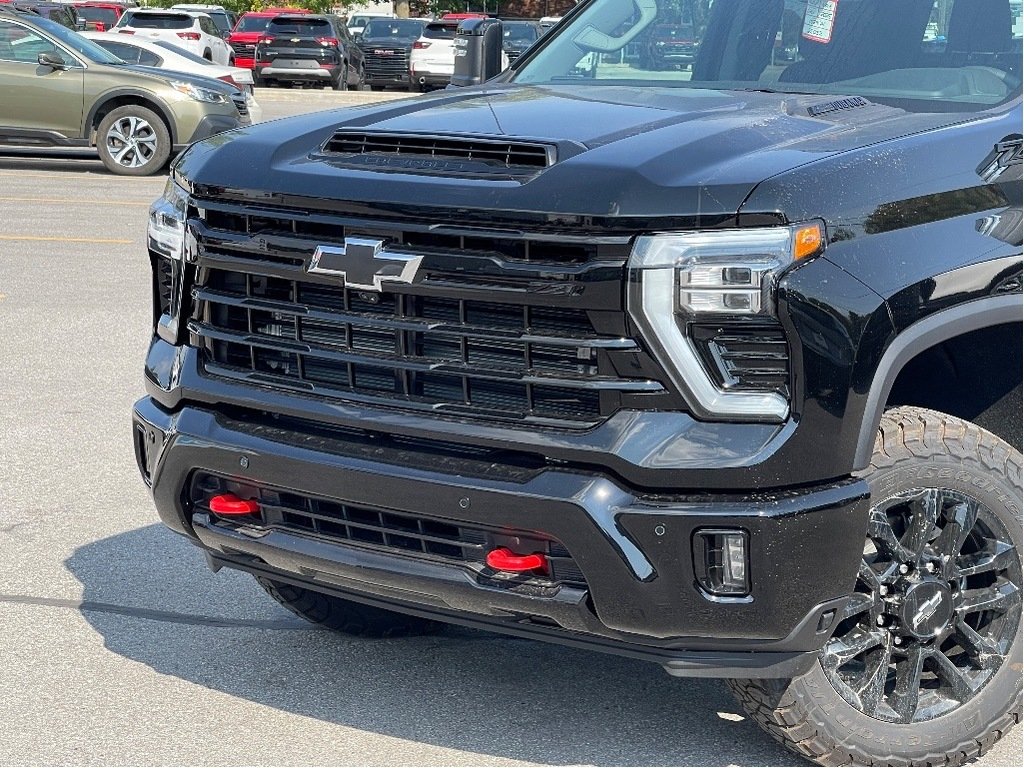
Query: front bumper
pixel 211 125
pixel 633 549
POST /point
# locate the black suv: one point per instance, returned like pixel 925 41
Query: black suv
pixel 716 367
pixel 308 49
pixel 517 35
pixel 386 44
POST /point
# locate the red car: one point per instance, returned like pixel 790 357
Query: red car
pixel 249 29
pixel 99 17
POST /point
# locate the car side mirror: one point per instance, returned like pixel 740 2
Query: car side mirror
pixel 51 60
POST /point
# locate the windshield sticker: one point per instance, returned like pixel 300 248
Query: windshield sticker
pixel 819 20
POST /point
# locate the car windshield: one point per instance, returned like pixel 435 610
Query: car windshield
pixel 252 23
pixel 183 53
pixel 519 33
pixel 928 55
pixel 439 31
pixel 76 42
pixel 156 20
pixel 106 16
pixel 301 27
pixel 398 28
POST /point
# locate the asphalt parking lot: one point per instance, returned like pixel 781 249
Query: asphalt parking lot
pixel 118 646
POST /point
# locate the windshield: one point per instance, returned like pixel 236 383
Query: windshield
pixel 519 33
pixel 307 28
pixel 252 23
pixel 156 20
pixel 918 54
pixel 393 28
pixel 77 43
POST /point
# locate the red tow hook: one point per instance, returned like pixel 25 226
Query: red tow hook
pixel 229 504
pixel 503 559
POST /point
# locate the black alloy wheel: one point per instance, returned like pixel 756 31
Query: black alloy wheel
pixel 936 609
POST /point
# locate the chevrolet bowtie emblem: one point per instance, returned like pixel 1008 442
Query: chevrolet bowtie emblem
pixel 364 264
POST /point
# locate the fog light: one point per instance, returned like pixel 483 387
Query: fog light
pixel 721 562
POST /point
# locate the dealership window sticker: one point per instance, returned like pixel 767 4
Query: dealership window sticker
pixel 819 20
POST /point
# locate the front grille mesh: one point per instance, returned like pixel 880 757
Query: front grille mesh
pixel 384 63
pixel 393 531
pixel 449 344
pixel 245 50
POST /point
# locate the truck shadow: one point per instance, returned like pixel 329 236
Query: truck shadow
pixel 152 600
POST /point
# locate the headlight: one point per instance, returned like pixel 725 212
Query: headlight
pixel 166 229
pixel 680 283
pixel 169 250
pixel 200 94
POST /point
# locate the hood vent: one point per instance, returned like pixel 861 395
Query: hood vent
pixel 440 153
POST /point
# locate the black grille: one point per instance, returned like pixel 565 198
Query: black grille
pixel 502 154
pixel 164 283
pixel 245 50
pixel 399 532
pixel 385 63
pixel 462 341
pixel 748 358
pixel 240 104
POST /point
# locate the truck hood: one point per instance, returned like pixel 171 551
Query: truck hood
pixel 648 153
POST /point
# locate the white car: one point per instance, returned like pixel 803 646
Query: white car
pixel 357 22
pixel 192 31
pixel 217 13
pixel 432 59
pixel 164 55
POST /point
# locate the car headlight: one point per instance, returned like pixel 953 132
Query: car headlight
pixel 199 93
pixel 169 249
pixel 682 284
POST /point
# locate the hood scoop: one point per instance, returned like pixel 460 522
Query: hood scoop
pixel 443 154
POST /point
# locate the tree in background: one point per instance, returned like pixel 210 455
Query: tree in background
pixel 241 6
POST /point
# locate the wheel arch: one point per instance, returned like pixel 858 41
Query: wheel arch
pixel 920 337
pixel 123 97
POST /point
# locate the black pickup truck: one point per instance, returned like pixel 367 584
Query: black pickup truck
pixel 716 366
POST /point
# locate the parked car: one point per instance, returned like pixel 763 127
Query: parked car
pixel 669 46
pixel 195 32
pixel 163 55
pixel 517 36
pixel 62 90
pixel 309 49
pixel 221 17
pixel 249 29
pixel 357 22
pixel 64 15
pixel 386 44
pixel 720 373
pixel 432 59
pixel 100 17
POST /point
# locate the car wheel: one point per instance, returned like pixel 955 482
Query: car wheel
pixel 923 666
pixel 133 141
pixel 341 84
pixel 345 616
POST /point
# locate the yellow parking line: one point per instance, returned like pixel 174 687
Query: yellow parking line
pixel 72 201
pixel 67 239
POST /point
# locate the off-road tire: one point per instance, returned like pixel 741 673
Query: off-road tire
pixel 808 716
pixel 161 137
pixel 346 616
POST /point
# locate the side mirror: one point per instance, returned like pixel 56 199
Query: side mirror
pixel 52 60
